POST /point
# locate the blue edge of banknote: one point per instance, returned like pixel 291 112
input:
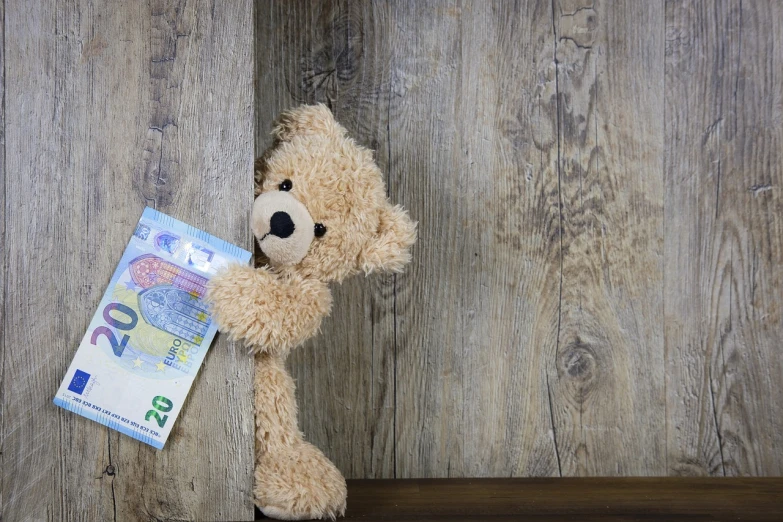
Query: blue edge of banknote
pixel 151 332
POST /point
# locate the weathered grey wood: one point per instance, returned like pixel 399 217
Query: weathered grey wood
pixel 477 360
pixel 2 240
pixel 724 237
pixel 337 53
pixel 473 140
pixel 608 383
pixel 110 108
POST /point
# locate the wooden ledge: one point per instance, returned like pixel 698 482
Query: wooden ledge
pixel 578 499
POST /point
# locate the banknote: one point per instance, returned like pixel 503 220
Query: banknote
pixel 137 362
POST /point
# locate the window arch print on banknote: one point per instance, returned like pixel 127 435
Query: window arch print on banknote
pixel 149 270
pixel 176 311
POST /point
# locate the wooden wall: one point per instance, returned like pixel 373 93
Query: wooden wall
pixel 597 285
pixel 598 282
pixel 109 107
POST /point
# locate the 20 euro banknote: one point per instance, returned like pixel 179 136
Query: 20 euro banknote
pixel 145 344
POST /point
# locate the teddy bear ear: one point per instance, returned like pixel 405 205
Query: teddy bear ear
pixel 306 120
pixel 389 249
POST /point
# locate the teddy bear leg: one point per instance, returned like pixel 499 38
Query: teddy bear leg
pixel 294 480
pixel 299 483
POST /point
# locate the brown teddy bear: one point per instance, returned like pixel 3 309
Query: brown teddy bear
pixel 321 215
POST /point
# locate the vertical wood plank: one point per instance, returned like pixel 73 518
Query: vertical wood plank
pixel 473 144
pixel 608 383
pixel 3 202
pixel 197 164
pixel 52 287
pixel 337 53
pixel 108 109
pixel 692 435
pixel 724 237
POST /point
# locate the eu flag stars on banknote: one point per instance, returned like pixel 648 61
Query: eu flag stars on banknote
pixel 145 344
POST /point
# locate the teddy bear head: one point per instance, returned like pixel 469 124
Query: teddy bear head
pixel 321 208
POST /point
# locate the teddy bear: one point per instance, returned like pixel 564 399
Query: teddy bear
pixel 321 214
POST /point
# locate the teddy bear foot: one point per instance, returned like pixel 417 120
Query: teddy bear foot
pixel 299 483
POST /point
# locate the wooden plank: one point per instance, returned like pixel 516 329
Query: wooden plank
pixel 608 384
pixel 3 201
pixel 566 499
pixel 337 53
pixel 724 237
pixel 52 287
pixel 473 156
pixel 110 108
pixel 198 107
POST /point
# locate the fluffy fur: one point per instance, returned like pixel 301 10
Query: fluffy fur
pixel 277 306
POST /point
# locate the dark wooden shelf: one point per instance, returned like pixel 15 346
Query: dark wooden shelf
pixel 613 499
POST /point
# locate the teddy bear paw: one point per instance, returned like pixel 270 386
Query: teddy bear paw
pixel 299 483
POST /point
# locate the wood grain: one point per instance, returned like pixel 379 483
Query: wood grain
pixel 724 237
pixel 473 142
pixel 597 285
pixel 109 109
pixel 463 500
pixel 3 202
pixel 337 53
pixel 607 386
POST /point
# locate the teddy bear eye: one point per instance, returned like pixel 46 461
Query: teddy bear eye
pixel 320 230
pixel 286 185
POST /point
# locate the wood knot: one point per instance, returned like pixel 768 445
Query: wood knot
pixel 578 361
pixel 332 60
pixel 690 467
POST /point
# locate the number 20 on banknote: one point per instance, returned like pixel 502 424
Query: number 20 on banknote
pixel 160 403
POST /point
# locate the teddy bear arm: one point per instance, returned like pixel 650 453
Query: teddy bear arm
pixel 269 312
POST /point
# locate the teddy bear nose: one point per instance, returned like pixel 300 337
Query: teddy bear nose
pixel 281 225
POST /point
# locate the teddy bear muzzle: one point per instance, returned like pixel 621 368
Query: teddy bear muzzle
pixel 283 227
